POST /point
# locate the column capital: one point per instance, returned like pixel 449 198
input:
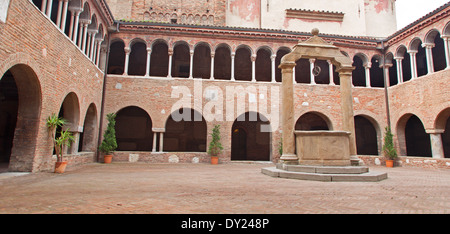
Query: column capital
pixel 253 57
pixel 213 54
pixel 312 60
pixel 367 65
pixel 273 56
pixel 398 58
pixel 434 131
pixel 428 45
pixel 412 52
pixel 127 50
pixel 149 50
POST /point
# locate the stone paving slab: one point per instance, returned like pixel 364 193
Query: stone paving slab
pixel 234 188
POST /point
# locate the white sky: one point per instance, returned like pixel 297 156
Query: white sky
pixel 409 11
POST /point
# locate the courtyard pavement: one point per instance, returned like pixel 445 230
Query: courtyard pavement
pixel 232 188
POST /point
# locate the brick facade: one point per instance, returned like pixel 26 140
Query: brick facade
pixel 57 73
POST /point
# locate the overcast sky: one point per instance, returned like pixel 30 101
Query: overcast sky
pixel 409 11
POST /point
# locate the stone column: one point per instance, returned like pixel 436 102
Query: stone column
pixel 399 69
pixel 413 53
pixel 64 15
pixel 49 8
pixel 91 52
pixel 97 56
pixel 127 60
pixel 212 66
pixel 85 26
pixel 170 64
pixel 253 58
pixel 80 35
pixel 232 66
pixel 348 123
pixel 387 81
pixel 58 16
pixel 311 67
pixel 154 141
pixel 287 112
pixel 331 72
pixel 147 65
pixel 367 67
pixel 272 59
pixel 161 141
pixel 74 27
pixel 437 148
pixel 191 65
pixel 429 54
pixel 44 6
pixel 447 52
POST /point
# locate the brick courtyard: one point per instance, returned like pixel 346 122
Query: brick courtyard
pixel 233 188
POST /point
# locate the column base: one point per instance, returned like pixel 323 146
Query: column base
pixel 290 159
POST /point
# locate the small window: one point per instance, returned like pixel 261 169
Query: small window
pixel 173 21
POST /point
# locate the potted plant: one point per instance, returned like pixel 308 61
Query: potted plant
pixel 389 150
pixel 109 143
pixel 64 139
pixel 215 147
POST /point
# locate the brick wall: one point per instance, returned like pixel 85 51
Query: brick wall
pixel 58 67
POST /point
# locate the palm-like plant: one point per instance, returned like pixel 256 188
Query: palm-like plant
pixel 65 137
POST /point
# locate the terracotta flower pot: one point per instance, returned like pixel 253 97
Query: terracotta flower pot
pixel 389 163
pixel 108 158
pixel 60 167
pixel 214 160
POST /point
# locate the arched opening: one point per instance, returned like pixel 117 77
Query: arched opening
pixel 202 61
pixel 20 105
pixel 186 131
pixel 406 62
pixel 417 140
pixel 159 59
pixel 248 141
pixel 263 65
pixel 70 111
pixel 392 69
pixel 243 64
pixel 9 104
pixel 137 64
pixel 443 124
pixel 421 58
pixel 366 136
pixel 116 60
pixel 438 50
pixel 302 71
pixel 222 63
pixel 313 121
pixel 376 72
pixel 88 136
pixel 359 74
pixel 181 60
pixel 280 53
pixel 133 130
pixel 324 75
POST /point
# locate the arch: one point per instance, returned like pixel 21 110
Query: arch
pixel 376 72
pixel 243 63
pixel 313 121
pixel 116 60
pixel 433 37
pixel 86 13
pixel 401 52
pixel 302 71
pixel 222 62
pixel 93 26
pixel 88 138
pixel 392 69
pixel 159 58
pixel 282 51
pixel 421 58
pixel 202 61
pixel 186 131
pixel 20 108
pixel 133 129
pixel 181 59
pixel 248 141
pixel 137 63
pixel 263 64
pixel 70 111
pixel 413 139
pixel 359 74
pixel 367 133
pixel 446 30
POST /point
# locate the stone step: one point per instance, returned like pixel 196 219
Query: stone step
pixel 324 169
pixel 362 177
